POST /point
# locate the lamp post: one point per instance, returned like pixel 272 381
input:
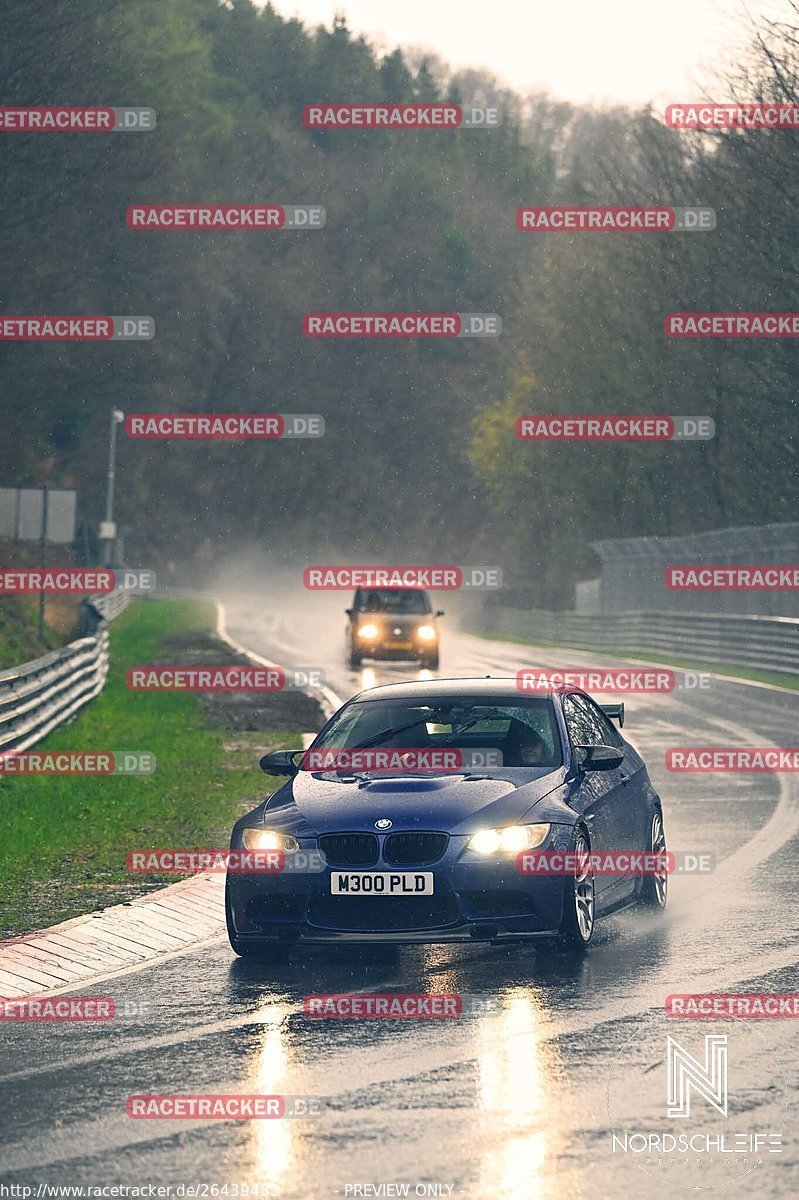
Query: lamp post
pixel 108 529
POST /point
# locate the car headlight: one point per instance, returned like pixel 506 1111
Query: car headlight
pixel 368 631
pixel 268 839
pixel 426 632
pixel 512 840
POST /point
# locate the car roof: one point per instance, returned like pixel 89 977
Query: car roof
pixel 413 591
pixel 424 689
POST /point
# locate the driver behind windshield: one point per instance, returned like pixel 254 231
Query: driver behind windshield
pixel 524 735
pixel 393 602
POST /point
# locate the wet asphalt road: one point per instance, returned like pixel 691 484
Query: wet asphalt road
pixel 510 1101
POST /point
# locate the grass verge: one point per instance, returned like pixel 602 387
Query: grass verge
pixel 19 638
pixel 64 840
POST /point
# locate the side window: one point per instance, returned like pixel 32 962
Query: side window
pixel 610 735
pixel 578 723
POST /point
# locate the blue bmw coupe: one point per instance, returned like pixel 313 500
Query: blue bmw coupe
pixel 421 813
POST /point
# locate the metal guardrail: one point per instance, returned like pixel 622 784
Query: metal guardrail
pixel 111 604
pixel 41 695
pixel 765 643
pixel 633 571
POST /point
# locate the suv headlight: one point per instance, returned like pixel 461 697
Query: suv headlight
pixel 269 839
pixel 426 633
pixel 511 840
pixel 368 631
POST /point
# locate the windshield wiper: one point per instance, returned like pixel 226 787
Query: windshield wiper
pixel 377 738
pixel 387 733
pixel 485 716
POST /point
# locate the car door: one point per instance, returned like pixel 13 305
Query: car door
pixel 635 815
pixel 600 796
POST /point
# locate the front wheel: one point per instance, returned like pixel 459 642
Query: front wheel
pixel 577 923
pixel 353 661
pixel 655 888
pixel 429 662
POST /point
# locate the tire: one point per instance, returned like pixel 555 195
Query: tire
pixel 655 888
pixel 579 901
pixel 430 662
pixel 353 661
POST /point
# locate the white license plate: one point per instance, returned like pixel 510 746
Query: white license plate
pixel 381 883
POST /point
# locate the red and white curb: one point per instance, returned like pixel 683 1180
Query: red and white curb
pixel 102 944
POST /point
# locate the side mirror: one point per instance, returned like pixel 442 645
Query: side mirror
pixel 599 758
pixel 350 612
pixel 280 762
pixel 439 613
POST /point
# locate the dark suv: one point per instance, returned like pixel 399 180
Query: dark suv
pixel 392 623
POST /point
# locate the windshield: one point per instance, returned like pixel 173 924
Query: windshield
pixel 523 730
pixel 392 600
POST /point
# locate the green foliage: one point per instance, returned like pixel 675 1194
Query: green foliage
pixel 419 458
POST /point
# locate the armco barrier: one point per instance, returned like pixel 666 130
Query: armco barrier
pixel 41 695
pixel 767 643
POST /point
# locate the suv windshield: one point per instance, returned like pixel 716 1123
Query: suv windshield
pixel 391 600
pixel 523 730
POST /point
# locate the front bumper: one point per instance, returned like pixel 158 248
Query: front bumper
pixel 472 901
pixel 383 651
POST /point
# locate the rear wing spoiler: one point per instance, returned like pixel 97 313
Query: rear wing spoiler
pixel 615 711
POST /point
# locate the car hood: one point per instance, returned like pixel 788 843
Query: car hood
pixel 455 803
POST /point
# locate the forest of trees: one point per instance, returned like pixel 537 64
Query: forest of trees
pixel 420 461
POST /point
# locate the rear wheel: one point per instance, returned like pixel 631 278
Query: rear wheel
pixel 577 923
pixel 655 888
